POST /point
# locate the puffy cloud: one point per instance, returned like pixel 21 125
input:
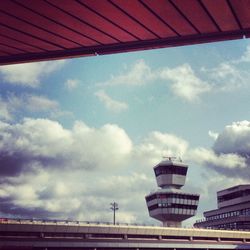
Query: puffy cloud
pixel 185 83
pixel 75 195
pixel 5 113
pixel 213 134
pixel 40 103
pixel 234 138
pixel 226 76
pixel 157 145
pixel 211 159
pixel 231 74
pixel 71 84
pixel 223 70
pixel 29 74
pixel 229 156
pixel 52 172
pixel 46 142
pixel 139 74
pixel 111 104
pixel 12 104
pixel 49 171
pixel 245 58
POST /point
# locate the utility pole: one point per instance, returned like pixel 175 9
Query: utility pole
pixel 114 207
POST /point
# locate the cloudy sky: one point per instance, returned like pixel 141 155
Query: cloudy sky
pixel 76 135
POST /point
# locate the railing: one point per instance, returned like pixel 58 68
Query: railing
pixel 68 222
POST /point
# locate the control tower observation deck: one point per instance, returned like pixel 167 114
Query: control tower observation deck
pixel 169 204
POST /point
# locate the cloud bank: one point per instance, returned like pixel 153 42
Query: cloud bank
pixel 45 143
pixel 182 80
pixel 29 74
pixel 49 171
pixel 185 82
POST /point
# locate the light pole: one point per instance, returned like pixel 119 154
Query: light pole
pixel 114 207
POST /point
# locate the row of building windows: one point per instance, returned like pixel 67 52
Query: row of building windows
pixel 174 201
pixel 243 212
pixel 234 195
pixel 168 205
pixel 180 170
pixel 233 225
pixel 173 196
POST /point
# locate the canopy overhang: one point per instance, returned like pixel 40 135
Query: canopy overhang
pixel 56 29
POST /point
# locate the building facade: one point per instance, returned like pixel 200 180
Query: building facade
pixel 169 204
pixel 233 210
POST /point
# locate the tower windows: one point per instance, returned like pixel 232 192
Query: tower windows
pixel 179 170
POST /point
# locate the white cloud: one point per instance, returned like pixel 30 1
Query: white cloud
pixel 139 74
pixel 5 113
pixel 223 70
pixel 40 103
pixel 71 84
pixel 208 157
pixel 29 74
pixel 157 145
pixel 47 142
pixel 185 83
pixel 226 76
pixel 91 160
pixel 234 138
pixel 111 104
pixel 82 169
pixel 73 194
pixel 231 74
pixel 12 104
pixel 213 134
pixel 245 58
pixel 230 153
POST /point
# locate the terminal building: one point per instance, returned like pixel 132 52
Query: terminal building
pixel 233 210
pixel 169 204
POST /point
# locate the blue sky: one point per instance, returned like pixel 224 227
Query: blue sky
pixel 83 132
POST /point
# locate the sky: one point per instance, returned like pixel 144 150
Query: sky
pixel 78 134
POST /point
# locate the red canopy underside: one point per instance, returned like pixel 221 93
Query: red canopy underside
pixel 35 30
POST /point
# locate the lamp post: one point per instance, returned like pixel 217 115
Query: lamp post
pixel 114 207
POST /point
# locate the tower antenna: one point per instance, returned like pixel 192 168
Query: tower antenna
pixel 170 158
pixel 114 207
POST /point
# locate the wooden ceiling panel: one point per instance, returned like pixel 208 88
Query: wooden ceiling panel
pixel 10 50
pixel 30 29
pixel 196 15
pixel 119 18
pixel 3 53
pixel 26 14
pixel 226 22
pixel 169 14
pixel 18 35
pixel 145 17
pixel 35 30
pixel 241 8
pixel 60 18
pixel 92 18
pixel 17 44
pixel 74 14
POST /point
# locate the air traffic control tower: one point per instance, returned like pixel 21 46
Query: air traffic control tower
pixel 169 204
